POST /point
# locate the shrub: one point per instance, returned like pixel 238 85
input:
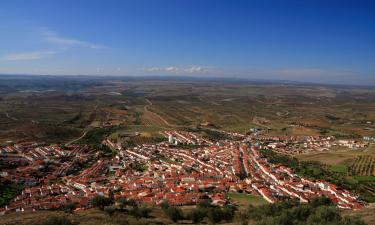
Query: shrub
pixel 57 221
pixel 100 202
pixel 142 212
pixel 174 213
pixel 215 215
pixel 197 215
pixel 70 207
pixel 110 210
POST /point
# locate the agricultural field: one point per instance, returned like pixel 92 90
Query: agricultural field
pixel 244 200
pixel 86 109
pixel 363 166
pixel 60 109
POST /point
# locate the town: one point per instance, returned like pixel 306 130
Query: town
pixel 183 170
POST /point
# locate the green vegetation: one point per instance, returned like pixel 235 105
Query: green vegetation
pixel 110 210
pixel 138 120
pixel 140 212
pixel 247 199
pixel 319 211
pixel 173 213
pixel 8 191
pixel 315 170
pixel 138 166
pixel 213 213
pixel 101 202
pixel 340 168
pixel 57 221
pixel 203 210
pixel 139 140
pixel 214 135
pixel 364 178
pixel 95 136
pixel 69 208
pixel 94 139
pixel 197 215
pixel 123 203
pixel 363 165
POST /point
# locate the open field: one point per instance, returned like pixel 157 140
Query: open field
pixel 44 107
pixel 87 217
pixel 64 109
pixel 367 214
pixel 341 155
pixel 243 199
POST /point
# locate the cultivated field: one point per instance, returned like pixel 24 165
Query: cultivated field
pixel 363 166
pixel 62 108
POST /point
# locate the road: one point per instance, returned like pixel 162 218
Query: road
pixel 145 108
pixel 77 139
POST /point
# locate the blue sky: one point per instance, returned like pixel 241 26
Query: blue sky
pixel 302 40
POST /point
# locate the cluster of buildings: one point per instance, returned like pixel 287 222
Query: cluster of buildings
pixel 152 174
pixel 276 181
pixel 181 137
pixel 304 144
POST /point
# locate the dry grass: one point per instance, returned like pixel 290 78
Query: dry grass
pixel 338 156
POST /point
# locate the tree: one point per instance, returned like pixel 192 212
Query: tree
pixel 197 215
pixel 57 221
pixel 205 203
pixel 324 215
pixel 110 210
pixel 318 211
pixel 164 205
pixel 174 213
pixel 142 212
pixel 228 213
pixel 215 215
pixel 100 202
pixel 123 202
pixel 132 203
pixel 70 207
pixel 321 201
pixel 352 221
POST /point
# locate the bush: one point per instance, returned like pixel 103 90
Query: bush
pixel 164 205
pixel 57 221
pixel 318 211
pixel 197 215
pixel 228 213
pixel 142 212
pixel 123 203
pixel 100 202
pixel 215 215
pixel 70 207
pixel 110 210
pixel 205 203
pixel 174 213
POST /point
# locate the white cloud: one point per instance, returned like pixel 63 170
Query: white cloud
pixel 25 56
pixel 180 69
pixel 55 38
pixel 196 69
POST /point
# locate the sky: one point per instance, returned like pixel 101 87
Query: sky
pixel 300 40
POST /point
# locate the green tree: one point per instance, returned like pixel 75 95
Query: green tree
pixel 215 215
pixel 174 213
pixel 100 202
pixel 228 213
pixel 140 212
pixel 70 207
pixel 110 210
pixel 197 215
pixel 123 202
pixel 57 221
